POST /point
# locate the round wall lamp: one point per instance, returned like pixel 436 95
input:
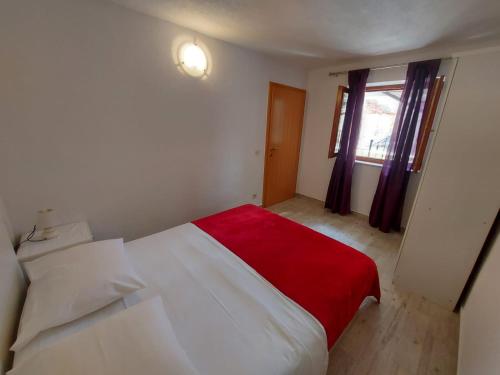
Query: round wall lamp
pixel 192 59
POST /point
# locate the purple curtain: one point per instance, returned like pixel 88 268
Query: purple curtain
pixel 338 198
pixel 387 206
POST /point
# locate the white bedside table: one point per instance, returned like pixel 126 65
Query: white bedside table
pixel 68 235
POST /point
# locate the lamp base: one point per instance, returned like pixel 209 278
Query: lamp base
pixel 45 234
pixel 49 233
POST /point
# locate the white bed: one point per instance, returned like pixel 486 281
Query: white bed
pixel 228 319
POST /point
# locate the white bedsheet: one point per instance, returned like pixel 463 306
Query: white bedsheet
pixel 228 319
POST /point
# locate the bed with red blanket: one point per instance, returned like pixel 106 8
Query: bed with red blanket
pixel 326 277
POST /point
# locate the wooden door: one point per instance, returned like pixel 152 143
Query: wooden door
pixel 285 115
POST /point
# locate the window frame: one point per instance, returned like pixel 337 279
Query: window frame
pixel 393 87
pixel 427 122
pixel 341 91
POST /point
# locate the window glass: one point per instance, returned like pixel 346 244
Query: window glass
pixel 379 114
pixel 341 121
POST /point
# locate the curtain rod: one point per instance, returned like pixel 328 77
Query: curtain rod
pixel 330 74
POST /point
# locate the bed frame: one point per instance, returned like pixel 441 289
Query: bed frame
pixel 12 291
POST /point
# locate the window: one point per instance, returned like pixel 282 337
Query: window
pixel 379 113
pixel 338 120
pixel 428 120
pixel 380 107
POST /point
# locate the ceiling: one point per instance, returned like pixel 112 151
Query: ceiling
pixel 319 32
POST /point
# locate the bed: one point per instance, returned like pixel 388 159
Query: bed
pixel 247 292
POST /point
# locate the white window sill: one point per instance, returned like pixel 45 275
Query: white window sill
pixel 368 163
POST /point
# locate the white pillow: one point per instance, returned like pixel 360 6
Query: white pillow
pixel 138 340
pixel 69 284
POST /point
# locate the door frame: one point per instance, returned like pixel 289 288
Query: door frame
pixel 273 85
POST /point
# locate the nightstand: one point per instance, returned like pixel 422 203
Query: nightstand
pixel 68 235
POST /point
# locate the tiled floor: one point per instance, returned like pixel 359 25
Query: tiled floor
pixel 405 334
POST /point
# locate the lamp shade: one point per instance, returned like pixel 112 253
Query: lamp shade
pixel 46 218
pixel 193 59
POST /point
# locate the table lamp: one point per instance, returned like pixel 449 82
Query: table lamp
pixel 46 221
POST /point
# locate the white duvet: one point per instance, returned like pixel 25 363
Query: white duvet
pixel 227 318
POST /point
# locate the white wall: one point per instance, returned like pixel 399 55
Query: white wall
pixel 315 168
pixel 458 197
pixel 97 122
pixel 480 320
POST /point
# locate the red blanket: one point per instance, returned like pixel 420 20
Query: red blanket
pixel 324 276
